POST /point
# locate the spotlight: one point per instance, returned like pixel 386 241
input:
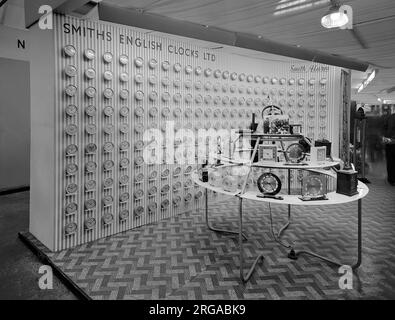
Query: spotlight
pixel 334 18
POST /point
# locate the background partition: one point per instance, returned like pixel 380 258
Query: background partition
pixel 104 85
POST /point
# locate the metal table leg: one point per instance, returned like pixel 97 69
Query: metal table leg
pixel 216 229
pixel 284 227
pixel 243 277
pixel 294 255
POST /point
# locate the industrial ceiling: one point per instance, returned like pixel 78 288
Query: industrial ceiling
pixel 292 22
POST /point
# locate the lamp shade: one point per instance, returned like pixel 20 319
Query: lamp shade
pixel 334 18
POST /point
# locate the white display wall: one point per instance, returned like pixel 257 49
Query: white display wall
pixel 103 85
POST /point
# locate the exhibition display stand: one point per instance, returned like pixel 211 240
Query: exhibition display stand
pixel 332 198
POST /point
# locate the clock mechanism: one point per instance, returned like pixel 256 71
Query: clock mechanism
pixel 269 185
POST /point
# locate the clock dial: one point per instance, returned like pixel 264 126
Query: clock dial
pixel 295 152
pixel 269 183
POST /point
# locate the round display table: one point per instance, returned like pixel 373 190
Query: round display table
pixel 333 198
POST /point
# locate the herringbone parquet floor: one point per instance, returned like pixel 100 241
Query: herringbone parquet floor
pixel 180 258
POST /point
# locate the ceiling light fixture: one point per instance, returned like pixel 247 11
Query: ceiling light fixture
pixel 335 18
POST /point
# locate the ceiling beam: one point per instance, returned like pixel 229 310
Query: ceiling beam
pixel 2 2
pixel 140 19
pixel 71 5
pixel 61 6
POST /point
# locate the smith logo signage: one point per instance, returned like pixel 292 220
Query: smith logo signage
pixel 309 68
pixel 138 42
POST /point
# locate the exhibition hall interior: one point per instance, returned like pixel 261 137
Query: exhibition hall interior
pixel 197 150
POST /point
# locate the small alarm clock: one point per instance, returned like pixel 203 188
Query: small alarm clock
pixel 314 187
pixel 269 185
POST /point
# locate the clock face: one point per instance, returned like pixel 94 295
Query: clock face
pixel 313 186
pixel 269 183
pixel 295 152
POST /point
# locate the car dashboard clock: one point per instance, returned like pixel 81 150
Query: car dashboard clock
pixel 313 188
pixel 269 185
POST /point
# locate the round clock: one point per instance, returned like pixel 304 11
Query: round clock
pixel 138 62
pixel 188 69
pixel 90 148
pixel 138 212
pixel 71 129
pixel 165 203
pixel 107 218
pixel 138 78
pixel 71 110
pixel 165 96
pixel 123 59
pixel 108 111
pixel 108 200
pixel 124 145
pixel 123 94
pixel 165 65
pixel 71 90
pixel 152 63
pixel 71 208
pixel 71 149
pixel 71 188
pixel 89 223
pixel 124 77
pixel 124 128
pixel 108 182
pixel 124 111
pixel 108 129
pixel 124 162
pixel 90 185
pixel 139 95
pixel 124 197
pixel 90 92
pixel 70 228
pixel 124 214
pixel 89 54
pixel 107 75
pixel 108 93
pixel 177 67
pixel 90 166
pixel 69 50
pixel 108 164
pixel 152 207
pixel 71 169
pixel 124 179
pixel 268 183
pixel 70 71
pixel 296 152
pixel 107 57
pixel 108 147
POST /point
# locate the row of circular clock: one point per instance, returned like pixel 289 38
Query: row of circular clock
pixel 138 194
pixel 177 112
pixel 108 218
pixel 90 74
pixel 123 59
pixel 153 96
